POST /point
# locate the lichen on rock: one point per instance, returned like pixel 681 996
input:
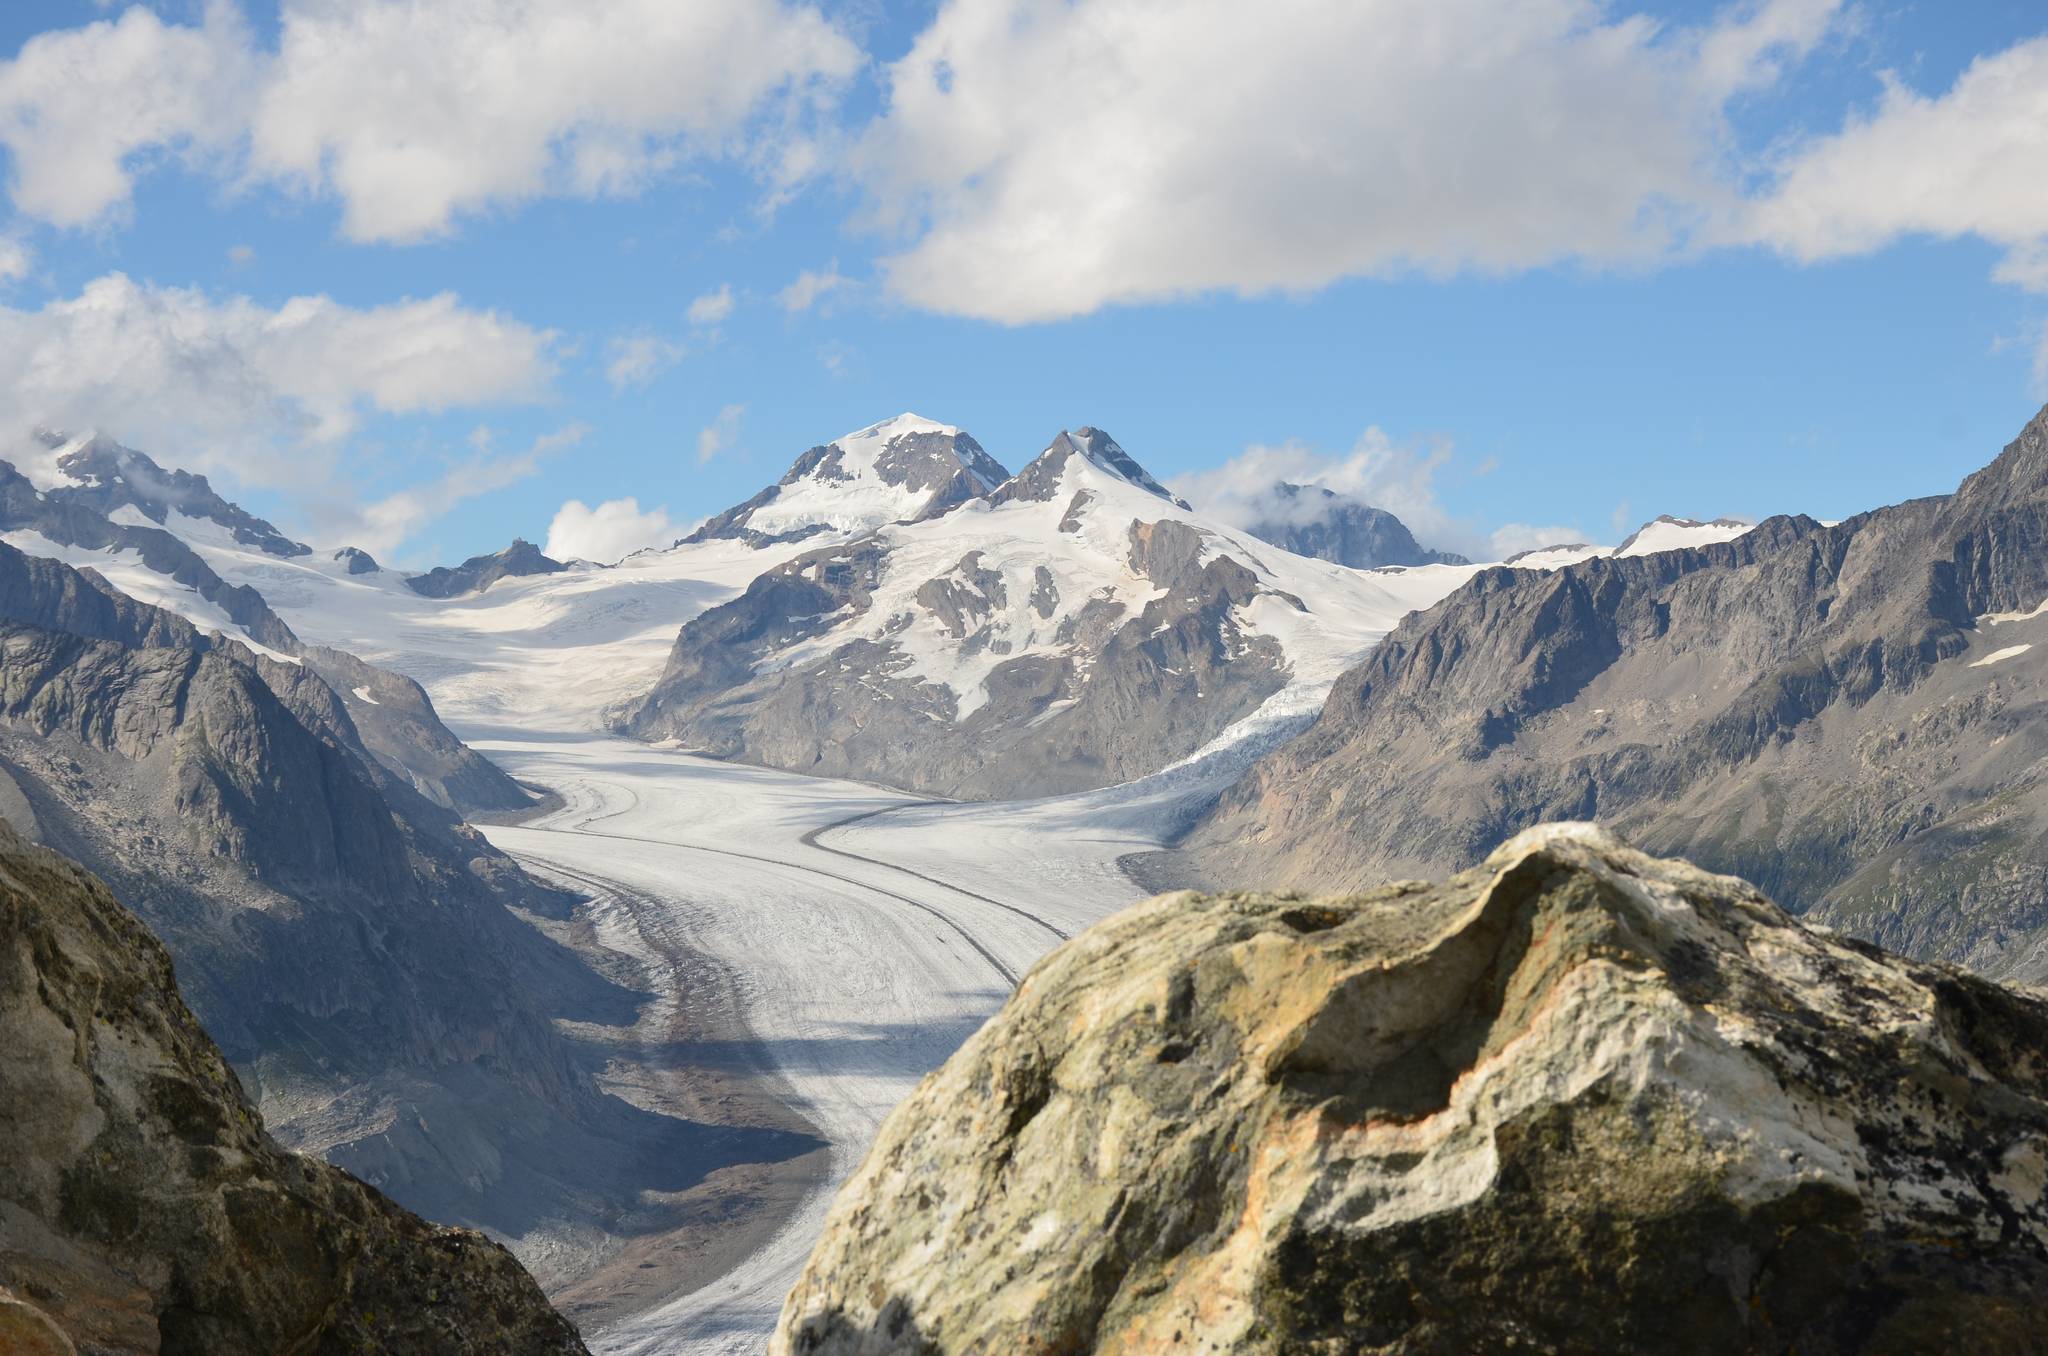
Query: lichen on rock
pixel 1577 1099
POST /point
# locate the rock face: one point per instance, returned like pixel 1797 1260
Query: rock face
pixel 1075 628
pixel 1578 1100
pixel 1312 520
pixel 478 573
pixel 898 470
pixel 1854 716
pixel 144 1209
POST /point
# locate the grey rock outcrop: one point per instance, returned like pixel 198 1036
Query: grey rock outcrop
pixel 1578 1101
pixel 1313 520
pixel 143 1208
pixel 358 561
pixel 478 573
pixel 397 724
pixel 1854 716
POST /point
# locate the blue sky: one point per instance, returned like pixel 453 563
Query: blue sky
pixel 1629 259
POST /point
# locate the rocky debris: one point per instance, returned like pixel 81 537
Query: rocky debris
pixel 478 573
pixel 143 1207
pixel 1577 1100
pixel 1313 520
pixel 905 469
pixel 1855 716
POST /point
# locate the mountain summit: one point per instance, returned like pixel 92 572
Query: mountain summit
pixel 901 469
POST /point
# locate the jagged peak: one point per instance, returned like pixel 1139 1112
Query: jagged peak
pixel 1040 480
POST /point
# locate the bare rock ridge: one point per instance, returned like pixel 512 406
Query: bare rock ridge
pixel 478 573
pixel 1854 716
pixel 1313 520
pixel 143 1208
pixel 1578 1100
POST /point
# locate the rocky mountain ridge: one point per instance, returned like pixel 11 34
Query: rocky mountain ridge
pixel 1849 714
pixel 1576 1100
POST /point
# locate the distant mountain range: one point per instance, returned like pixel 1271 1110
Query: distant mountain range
pixel 1071 626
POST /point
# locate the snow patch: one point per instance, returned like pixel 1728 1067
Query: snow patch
pixel 2000 656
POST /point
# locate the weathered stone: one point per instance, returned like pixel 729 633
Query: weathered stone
pixel 1577 1100
pixel 144 1208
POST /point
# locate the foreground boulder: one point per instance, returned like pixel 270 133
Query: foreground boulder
pixel 1577 1099
pixel 144 1209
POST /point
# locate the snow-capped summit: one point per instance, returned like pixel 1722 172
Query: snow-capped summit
pixel 1077 627
pixel 1666 533
pixel 901 469
pixel 1042 479
pixel 95 472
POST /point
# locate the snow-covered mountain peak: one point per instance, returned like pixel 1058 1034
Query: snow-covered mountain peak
pixel 1666 533
pixel 1078 462
pixel 900 469
pixel 93 471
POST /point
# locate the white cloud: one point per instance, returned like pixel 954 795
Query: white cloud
pixel 711 309
pixel 418 112
pixel 811 286
pixel 1515 538
pixel 1399 478
pixel 635 360
pixel 227 381
pixel 720 434
pixel 1971 162
pixel 381 526
pixel 610 532
pixel 1048 159
pixel 79 106
pixel 16 259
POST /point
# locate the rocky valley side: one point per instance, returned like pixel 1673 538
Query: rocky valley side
pixel 143 1207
